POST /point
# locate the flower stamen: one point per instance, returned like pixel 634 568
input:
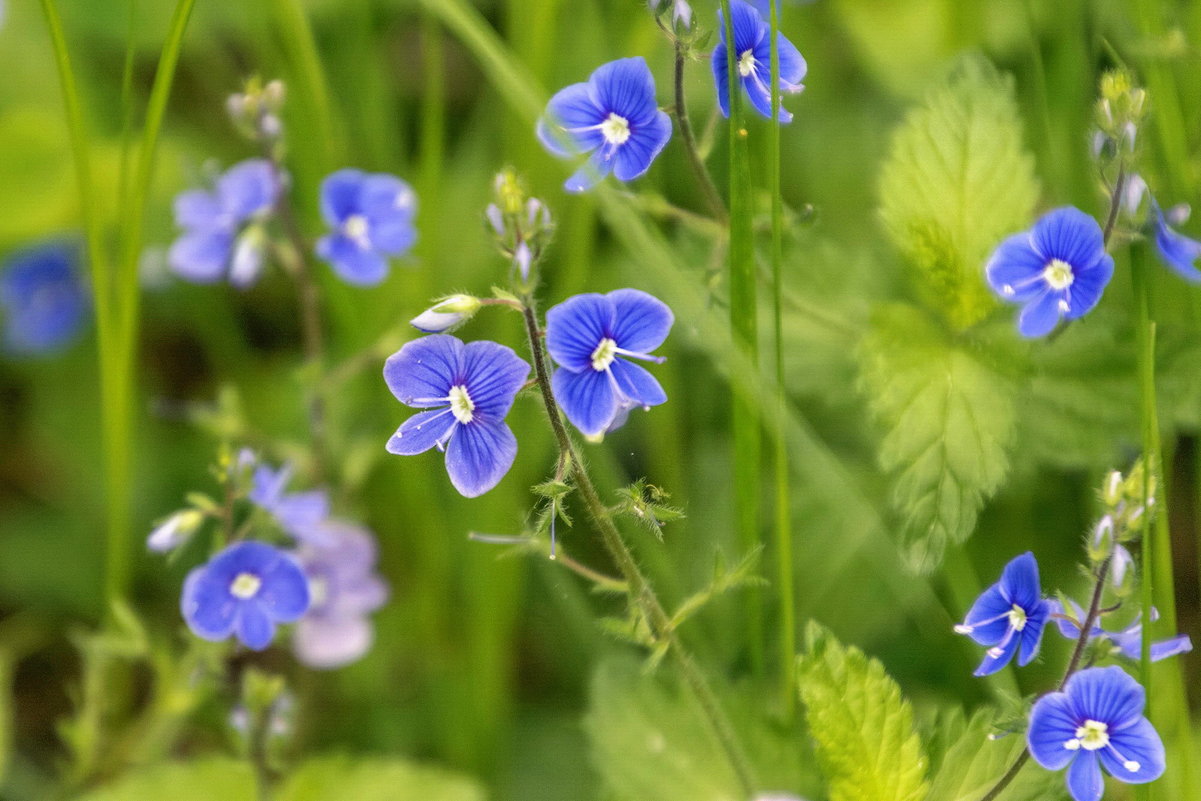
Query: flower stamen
pixel 604 354
pixel 461 404
pixel 245 586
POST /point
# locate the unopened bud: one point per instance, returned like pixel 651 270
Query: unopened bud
pixel 447 314
pixel 174 531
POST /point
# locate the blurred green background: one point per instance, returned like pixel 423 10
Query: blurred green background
pixel 484 663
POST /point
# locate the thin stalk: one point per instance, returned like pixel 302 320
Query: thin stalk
pixel 703 178
pixel 1145 338
pixel 786 591
pixel 640 592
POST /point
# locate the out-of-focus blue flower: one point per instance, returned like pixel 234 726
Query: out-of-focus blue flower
pixel 1009 616
pixel 372 220
pixel 469 389
pixel 301 514
pixel 1059 268
pixel 1097 720
pixel 1127 641
pixel 587 335
pixel 752 59
pixel 345 589
pixel 245 590
pixel 1175 249
pixel 42 299
pixel 223 229
pixel 614 117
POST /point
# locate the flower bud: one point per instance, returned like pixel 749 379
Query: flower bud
pixel 255 110
pixel 447 314
pixel 521 225
pixel 174 531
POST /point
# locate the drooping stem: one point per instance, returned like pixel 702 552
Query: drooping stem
pixel 1115 202
pixel 639 590
pixel 712 196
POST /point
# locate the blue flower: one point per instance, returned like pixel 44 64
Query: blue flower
pixel 752 57
pixel 469 390
pixel 1059 268
pixel 245 590
pixel 1009 616
pixel 1175 249
pixel 587 335
pixel 1097 720
pixel 614 117
pixel 372 220
pixel 301 514
pixel 42 299
pixel 1127 641
pixel 223 232
pixel 336 630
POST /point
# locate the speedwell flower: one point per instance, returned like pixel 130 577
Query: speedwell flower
pixel 42 299
pixel 1175 249
pixel 614 117
pixel 1127 641
pixel 587 335
pixel 752 59
pixel 469 390
pixel 372 221
pixel 1097 720
pixel 300 514
pixel 223 228
pixel 245 590
pixel 1009 616
pixel 1059 268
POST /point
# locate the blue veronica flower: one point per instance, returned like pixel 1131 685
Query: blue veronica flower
pixel 1059 268
pixel 469 390
pixel 223 234
pixel 245 590
pixel 752 56
pixel 1128 641
pixel 42 299
pixel 1009 616
pixel 301 514
pixel 372 220
pixel 587 335
pixel 614 117
pixel 337 629
pixel 1175 249
pixel 1097 720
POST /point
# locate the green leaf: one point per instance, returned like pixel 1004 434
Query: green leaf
pixel 866 743
pixel 338 778
pixel 950 421
pixel 957 181
pixel 970 762
pixel 202 780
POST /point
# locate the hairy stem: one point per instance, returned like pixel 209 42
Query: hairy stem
pixel 712 196
pixel 639 590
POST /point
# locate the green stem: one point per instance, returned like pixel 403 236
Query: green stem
pixel 641 594
pixel 1145 338
pixel 708 188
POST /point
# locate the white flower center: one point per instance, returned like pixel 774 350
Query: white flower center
pixel 1058 274
pixel 746 63
pixel 1017 618
pixel 245 586
pixel 615 129
pixel 604 354
pixel 356 227
pixel 1092 736
pixel 461 404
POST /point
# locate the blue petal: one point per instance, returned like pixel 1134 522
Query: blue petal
pixel 991 664
pixel 758 91
pixel 1032 633
pixel 624 87
pixel 43 299
pixel 254 628
pixel 1180 644
pixel 1070 235
pixel 792 64
pixel 493 375
pixel 1138 742
pixel 420 432
pixel 1084 780
pixel 201 257
pixel 479 455
pixel 993 605
pixel 587 399
pixel 1177 250
pixel 1019 581
pixel 720 65
pixel 284 594
pixel 422 372
pixel 640 321
pixel 1053 722
pixel 749 27
pixel 589 175
pixel 646 141
pixel 636 384
pixel 340 195
pixel 207 606
pixel 1108 695
pixel 1017 265
pixel 353 264
pixel 394 237
pixel 384 197
pixel 248 188
pixel 575 327
pixel 1041 315
pixel 197 209
pixel 268 485
pixel 1087 286
pixel 571 107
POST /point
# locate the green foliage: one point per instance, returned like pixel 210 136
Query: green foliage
pixel 198 780
pixel 956 181
pixel 647 504
pixel 950 421
pixel 866 743
pixel 968 762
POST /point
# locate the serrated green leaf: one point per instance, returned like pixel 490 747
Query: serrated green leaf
pixel 958 180
pixel 950 420
pixel 866 743
pixel 970 763
pixel 201 780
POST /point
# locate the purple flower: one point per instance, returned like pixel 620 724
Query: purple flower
pixel 587 335
pixel 42 299
pixel 301 514
pixel 1097 720
pixel 1175 249
pixel 372 221
pixel 752 59
pixel 614 117
pixel 469 389
pixel 223 234
pixel 1127 641
pixel 1009 616
pixel 344 589
pixel 1059 268
pixel 245 590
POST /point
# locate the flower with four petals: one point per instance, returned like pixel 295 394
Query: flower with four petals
pixel 372 220
pixel 752 59
pixel 1009 616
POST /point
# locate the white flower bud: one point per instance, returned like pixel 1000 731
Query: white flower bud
pixel 447 314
